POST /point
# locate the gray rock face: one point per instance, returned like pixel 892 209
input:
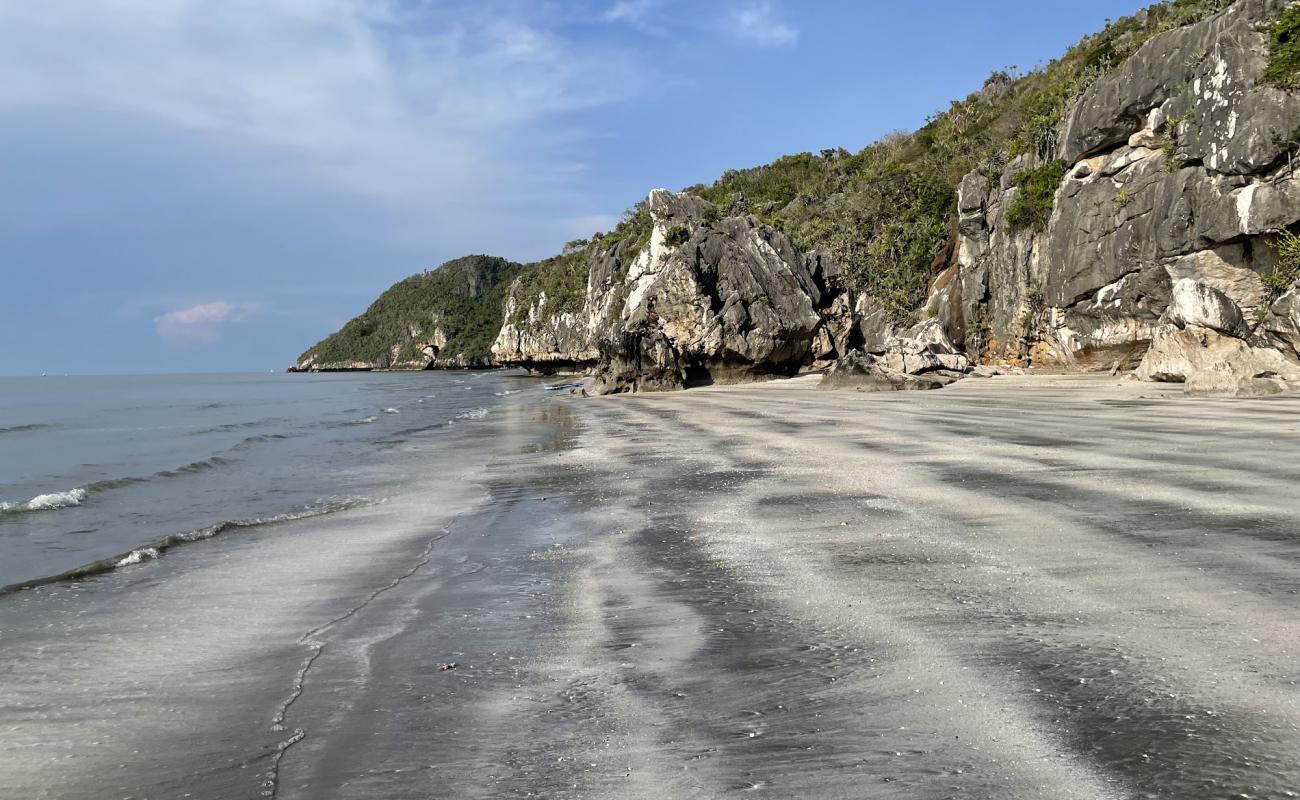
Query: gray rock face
pixel 732 302
pixel 542 341
pixel 872 325
pixel 1208 70
pixel 1176 170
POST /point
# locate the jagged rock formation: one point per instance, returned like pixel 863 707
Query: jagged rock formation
pixel 1176 167
pixel 721 300
pixel 440 319
pixel 706 298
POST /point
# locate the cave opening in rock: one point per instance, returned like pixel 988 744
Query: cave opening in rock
pixel 698 375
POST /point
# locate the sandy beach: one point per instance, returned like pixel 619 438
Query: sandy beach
pixel 1022 587
pixel 1018 587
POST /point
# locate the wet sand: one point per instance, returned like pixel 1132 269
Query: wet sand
pixel 1016 588
pixel 1020 587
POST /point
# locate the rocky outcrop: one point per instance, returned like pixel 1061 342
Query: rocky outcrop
pixel 922 357
pixel 545 338
pixel 1176 169
pixel 541 341
pixel 710 299
pixel 704 298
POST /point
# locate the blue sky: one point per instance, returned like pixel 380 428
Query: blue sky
pixel 198 186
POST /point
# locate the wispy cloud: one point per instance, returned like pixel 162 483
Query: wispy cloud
pixel 757 24
pixel 200 323
pixel 443 108
pixel 633 11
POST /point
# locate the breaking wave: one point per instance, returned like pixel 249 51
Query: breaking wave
pixel 158 547
pixel 46 502
pixel 53 501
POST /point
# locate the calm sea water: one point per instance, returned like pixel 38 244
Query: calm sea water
pixel 94 470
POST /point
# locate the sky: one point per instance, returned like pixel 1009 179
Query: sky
pixel 197 186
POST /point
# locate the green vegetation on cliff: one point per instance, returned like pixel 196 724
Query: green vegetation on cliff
pixel 884 214
pixel 464 298
pixel 1032 206
pixel 1283 68
pixel 562 278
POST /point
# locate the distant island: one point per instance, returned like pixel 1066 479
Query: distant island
pixel 1129 207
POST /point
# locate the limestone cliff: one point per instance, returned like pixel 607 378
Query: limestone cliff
pixel 1129 207
pixel 1175 173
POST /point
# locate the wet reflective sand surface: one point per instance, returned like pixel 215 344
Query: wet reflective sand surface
pixel 1012 588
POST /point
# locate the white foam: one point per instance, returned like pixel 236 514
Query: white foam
pixel 390 411
pixel 47 502
pixel 137 556
pixel 475 413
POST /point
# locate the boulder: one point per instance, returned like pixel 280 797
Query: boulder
pixel 1192 303
pixel 1210 362
pixel 921 357
pixel 864 372
pixel 1213 268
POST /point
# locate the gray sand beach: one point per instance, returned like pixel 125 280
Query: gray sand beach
pixel 1019 587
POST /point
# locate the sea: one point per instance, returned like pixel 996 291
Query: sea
pixel 208 578
pixel 106 471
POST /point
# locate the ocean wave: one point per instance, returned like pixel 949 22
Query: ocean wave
pixel 46 502
pixel 75 497
pixel 391 411
pixel 258 439
pixel 201 465
pixel 34 426
pixel 473 413
pixel 228 427
pixel 155 549
pixel 112 483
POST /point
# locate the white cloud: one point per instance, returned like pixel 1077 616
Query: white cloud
pixel 754 23
pixel 632 11
pixel 201 323
pixel 445 109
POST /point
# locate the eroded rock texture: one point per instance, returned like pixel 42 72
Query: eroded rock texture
pixel 706 301
pixel 1178 166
